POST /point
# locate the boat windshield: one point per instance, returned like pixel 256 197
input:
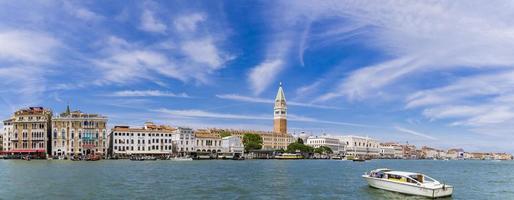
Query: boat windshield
pixel 427 179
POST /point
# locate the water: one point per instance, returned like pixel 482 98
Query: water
pixel 250 179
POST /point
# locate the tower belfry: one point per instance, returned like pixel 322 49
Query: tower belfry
pixel 280 112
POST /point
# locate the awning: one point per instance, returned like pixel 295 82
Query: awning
pixel 26 151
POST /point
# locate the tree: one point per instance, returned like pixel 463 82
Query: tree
pixel 302 148
pixel 225 134
pixel 300 140
pixel 252 141
pixel 323 150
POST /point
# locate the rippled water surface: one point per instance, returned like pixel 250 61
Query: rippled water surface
pixel 250 179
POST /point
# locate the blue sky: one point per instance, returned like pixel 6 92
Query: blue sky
pixel 430 72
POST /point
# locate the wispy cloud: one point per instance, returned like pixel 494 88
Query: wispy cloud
pixel 150 23
pixel 189 22
pixel 147 93
pixel 241 98
pixel 262 75
pixel 215 115
pixel 206 114
pixel 19 45
pixel 81 12
pixel 404 130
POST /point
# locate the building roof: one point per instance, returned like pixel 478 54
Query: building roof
pixel 154 128
pixel 280 94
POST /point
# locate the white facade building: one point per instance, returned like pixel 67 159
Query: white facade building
pixel 232 145
pixel 7 135
pixel 333 143
pixel 358 146
pixel 149 140
pixel 208 142
pixel 184 140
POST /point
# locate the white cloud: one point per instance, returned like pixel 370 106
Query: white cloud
pixel 262 75
pixel 206 114
pixel 27 46
pixel 147 93
pixel 189 22
pixel 420 37
pixel 204 51
pixel 150 23
pixel 125 62
pixel 236 97
pixel 404 130
pixel 81 12
pixel 214 115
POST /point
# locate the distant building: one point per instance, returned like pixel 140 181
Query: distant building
pixel 184 141
pixel 150 140
pixel 7 134
pixel 456 153
pixel 358 146
pixel 232 146
pixel 28 132
pixel 207 142
pixel 77 133
pixel 333 143
pixel 429 153
pixel 391 150
pixel 409 151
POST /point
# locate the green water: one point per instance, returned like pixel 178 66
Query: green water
pixel 250 179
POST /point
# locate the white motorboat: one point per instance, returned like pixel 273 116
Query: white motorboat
pixel 407 183
pixel 181 158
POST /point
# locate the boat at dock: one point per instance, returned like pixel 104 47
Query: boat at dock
pixel 143 158
pixel 407 183
pixel 289 156
pixel 181 159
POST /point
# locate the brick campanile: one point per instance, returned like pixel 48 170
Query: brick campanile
pixel 280 112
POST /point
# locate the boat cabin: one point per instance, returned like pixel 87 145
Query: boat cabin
pixel 399 176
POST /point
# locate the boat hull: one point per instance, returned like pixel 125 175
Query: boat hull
pixel 408 188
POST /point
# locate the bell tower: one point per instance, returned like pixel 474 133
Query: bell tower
pixel 280 112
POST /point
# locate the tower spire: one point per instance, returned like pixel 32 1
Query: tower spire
pixel 68 111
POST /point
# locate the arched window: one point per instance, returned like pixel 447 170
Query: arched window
pixel 63 134
pixel 55 133
pixel 72 134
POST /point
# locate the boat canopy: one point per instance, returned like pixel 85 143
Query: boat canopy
pixel 401 173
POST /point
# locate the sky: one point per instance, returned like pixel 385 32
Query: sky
pixel 436 73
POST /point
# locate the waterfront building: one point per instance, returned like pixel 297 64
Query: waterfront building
pixel 154 140
pixel 1 141
pixel 387 152
pixel 409 151
pixel 456 153
pixel 333 143
pixel 28 131
pixel 502 156
pixel 6 135
pixel 442 154
pixel 76 134
pixel 358 146
pixel 429 153
pixel 391 150
pixel 184 140
pixel 232 146
pixel 207 142
pixel 270 140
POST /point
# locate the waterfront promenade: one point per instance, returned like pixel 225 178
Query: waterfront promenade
pixel 249 179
